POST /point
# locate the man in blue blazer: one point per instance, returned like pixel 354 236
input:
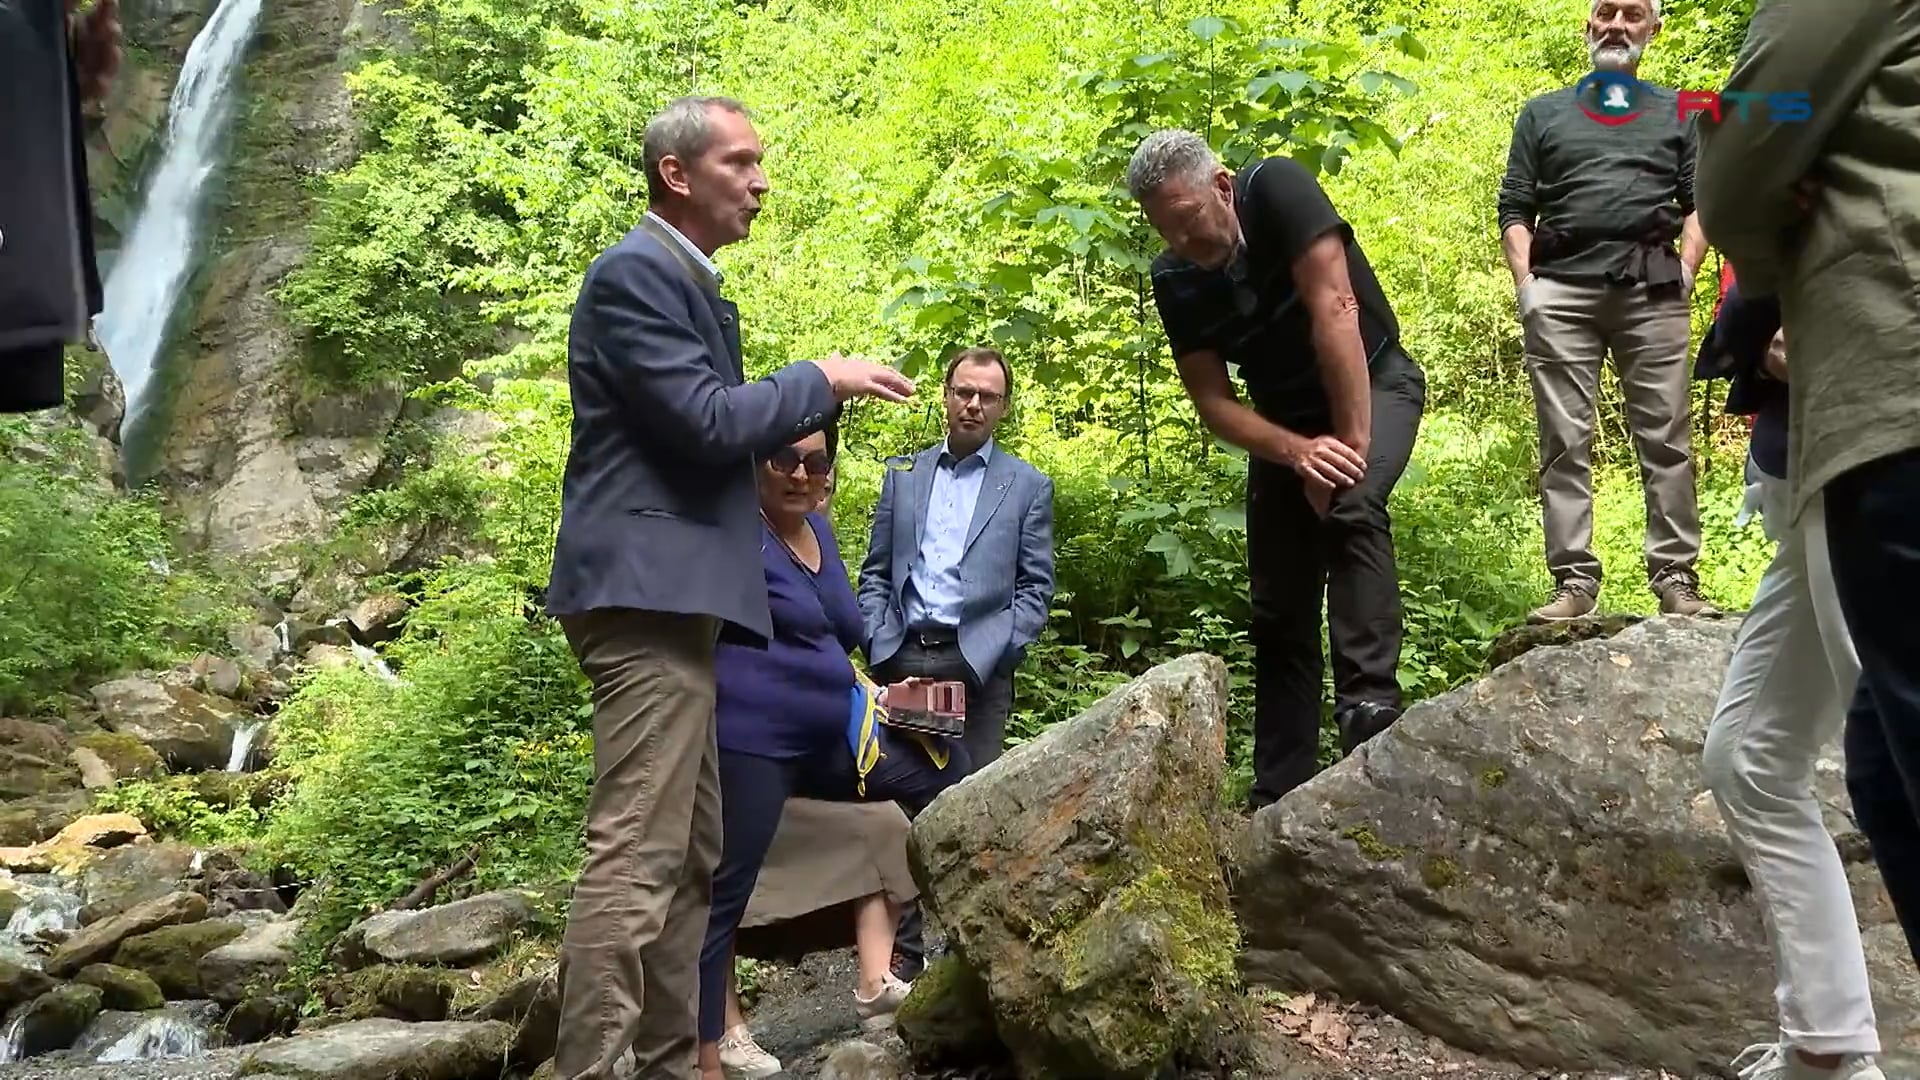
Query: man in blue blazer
pixel 958 578
pixel 657 555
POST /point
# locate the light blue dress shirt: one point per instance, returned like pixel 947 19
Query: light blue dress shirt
pixel 934 585
pixel 699 255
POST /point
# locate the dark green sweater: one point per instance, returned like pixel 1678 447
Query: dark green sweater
pixel 1604 201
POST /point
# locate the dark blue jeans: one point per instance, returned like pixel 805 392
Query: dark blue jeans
pixel 1873 538
pixel 753 792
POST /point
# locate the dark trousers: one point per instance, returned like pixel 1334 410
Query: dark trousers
pixel 753 792
pixel 1295 558
pixel 937 656
pixel 1873 540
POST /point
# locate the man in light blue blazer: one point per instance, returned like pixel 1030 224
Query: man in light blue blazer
pixel 958 577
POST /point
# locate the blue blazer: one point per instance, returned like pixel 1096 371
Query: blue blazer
pixel 1006 570
pixel 659 509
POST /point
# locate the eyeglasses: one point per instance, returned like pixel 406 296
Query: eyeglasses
pixel 988 398
pixel 786 459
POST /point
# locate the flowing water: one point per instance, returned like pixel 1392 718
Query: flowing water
pixel 152 267
pixel 244 737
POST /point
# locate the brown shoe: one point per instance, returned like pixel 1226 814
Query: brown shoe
pixel 1569 601
pixel 1679 593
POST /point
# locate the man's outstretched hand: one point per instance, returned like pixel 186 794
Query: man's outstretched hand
pixel 853 377
pixel 96 46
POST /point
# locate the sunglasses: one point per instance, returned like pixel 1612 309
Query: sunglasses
pixel 786 459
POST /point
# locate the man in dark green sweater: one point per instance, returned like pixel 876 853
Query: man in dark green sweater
pixel 1599 185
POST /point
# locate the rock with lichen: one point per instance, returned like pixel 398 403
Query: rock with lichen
pixel 1531 866
pixel 1080 877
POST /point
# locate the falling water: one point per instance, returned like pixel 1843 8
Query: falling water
pixel 243 740
pixel 158 1037
pixel 49 906
pixel 10 1038
pixel 152 267
pixel 372 662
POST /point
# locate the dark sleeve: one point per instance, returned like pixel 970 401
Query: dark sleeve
pixel 835 589
pixel 1186 332
pixel 663 371
pixel 1689 152
pixel 1290 209
pixel 1517 200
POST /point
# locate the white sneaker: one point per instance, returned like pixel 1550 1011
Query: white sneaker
pixel 742 1059
pixel 881 1007
pixel 1771 1061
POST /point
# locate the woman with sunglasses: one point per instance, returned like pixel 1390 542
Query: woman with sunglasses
pixel 789 717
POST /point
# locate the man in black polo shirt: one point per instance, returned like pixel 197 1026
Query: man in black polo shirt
pixel 1599 185
pixel 1262 273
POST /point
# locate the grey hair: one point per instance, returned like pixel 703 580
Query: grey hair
pixel 1655 4
pixel 681 130
pixel 1168 155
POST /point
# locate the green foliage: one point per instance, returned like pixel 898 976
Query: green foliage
pixel 89 581
pixel 944 174
pixel 177 807
pixel 482 740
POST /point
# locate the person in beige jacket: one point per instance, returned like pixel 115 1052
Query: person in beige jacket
pixel 1825 213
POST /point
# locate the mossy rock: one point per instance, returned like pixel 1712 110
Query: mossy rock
pixel 29 821
pixel 392 991
pixel 21 984
pixel 948 1019
pixel 24 775
pixel 56 1019
pixel 171 954
pixel 128 757
pixel 1519 640
pixel 122 989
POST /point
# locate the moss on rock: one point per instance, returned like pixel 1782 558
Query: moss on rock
pixel 122 989
pixel 392 991
pixel 128 757
pixel 1371 845
pixel 948 1019
pixel 171 954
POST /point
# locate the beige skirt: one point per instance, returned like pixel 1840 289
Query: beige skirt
pixel 825 856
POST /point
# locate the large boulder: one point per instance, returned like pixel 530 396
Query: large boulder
pixel 1080 876
pixel 55 1019
pixel 1531 866
pixel 132 875
pixel 188 729
pixel 34 760
pixel 253 961
pixel 96 943
pixel 462 932
pixel 20 984
pixel 172 954
pixel 29 821
pixel 383 1049
pixel 122 989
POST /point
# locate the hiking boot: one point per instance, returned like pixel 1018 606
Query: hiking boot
pixel 1358 723
pixel 1679 593
pixel 742 1059
pixel 1775 1062
pixel 1570 600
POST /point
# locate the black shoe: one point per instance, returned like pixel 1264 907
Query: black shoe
pixel 907 968
pixel 1361 722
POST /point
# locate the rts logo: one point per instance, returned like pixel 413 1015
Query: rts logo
pixel 1614 97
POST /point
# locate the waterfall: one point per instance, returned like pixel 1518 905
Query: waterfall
pixel 283 636
pixel 372 662
pixel 158 1037
pixel 10 1038
pixel 49 906
pixel 152 266
pixel 243 740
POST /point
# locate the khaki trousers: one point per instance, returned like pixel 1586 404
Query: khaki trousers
pixel 629 965
pixel 1568 328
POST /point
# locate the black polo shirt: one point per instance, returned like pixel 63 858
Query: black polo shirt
pixel 1250 313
